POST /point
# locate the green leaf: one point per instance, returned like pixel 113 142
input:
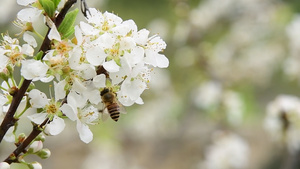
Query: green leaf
pixel 49 7
pixel 56 2
pixel 70 32
pixel 38 56
pixel 66 28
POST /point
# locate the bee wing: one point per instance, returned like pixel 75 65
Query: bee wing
pixel 122 108
pixel 104 114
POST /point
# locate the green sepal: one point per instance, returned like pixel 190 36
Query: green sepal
pixel 49 7
pixel 38 56
pixel 66 28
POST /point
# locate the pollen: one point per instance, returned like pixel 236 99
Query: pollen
pixel 114 52
pixel 63 47
pixel 51 109
pixel 105 26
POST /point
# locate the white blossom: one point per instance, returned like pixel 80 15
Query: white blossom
pixel 83 117
pixel 282 120
pixel 29 14
pixel 4 165
pixel 36 146
pixel 33 69
pixel 50 110
pixel 35 165
pixel 228 151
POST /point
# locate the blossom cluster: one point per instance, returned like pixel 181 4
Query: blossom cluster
pixel 227 151
pixel 282 120
pixel 105 52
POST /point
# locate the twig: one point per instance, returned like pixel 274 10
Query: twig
pixel 9 119
pixel 37 129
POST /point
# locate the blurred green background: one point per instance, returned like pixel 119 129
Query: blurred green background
pixel 228 60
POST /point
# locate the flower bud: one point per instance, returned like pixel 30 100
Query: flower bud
pixel 4 74
pixel 35 147
pixel 40 137
pixel 13 90
pixel 21 137
pixel 35 165
pixel 44 153
pixel 4 165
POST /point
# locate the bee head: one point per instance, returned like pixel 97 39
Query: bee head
pixel 104 91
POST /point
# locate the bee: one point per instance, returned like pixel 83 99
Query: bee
pixel 109 99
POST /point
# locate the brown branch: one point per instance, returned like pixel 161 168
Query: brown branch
pixel 9 119
pixel 60 17
pixel 37 129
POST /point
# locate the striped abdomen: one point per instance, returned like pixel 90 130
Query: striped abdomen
pixel 114 111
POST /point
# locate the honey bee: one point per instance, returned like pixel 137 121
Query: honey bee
pixel 109 99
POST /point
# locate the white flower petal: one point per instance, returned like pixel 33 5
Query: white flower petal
pixel 38 118
pixel 96 17
pixel 93 96
pixel 9 136
pixel 124 100
pixel 3 63
pixel 95 56
pixel 29 39
pixel 87 29
pixel 25 2
pixel 29 14
pixel 59 90
pixel 33 69
pixel 84 131
pixel 76 99
pixel 54 34
pixel 38 99
pixel 133 88
pixel 78 35
pixel 155 59
pixel 99 81
pixel 27 50
pixel 36 146
pixel 78 86
pixel 113 19
pixel 88 71
pixel 141 37
pixel 139 101
pixel 55 127
pixel 3 99
pixel 162 61
pixel 135 56
pixel 4 165
pixel 111 66
pixel 69 111
pixel 105 41
pixel 47 79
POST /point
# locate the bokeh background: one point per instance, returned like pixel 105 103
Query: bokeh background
pixel 229 61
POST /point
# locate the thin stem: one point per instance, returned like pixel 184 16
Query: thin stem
pixel 19 115
pixel 13 82
pixel 37 129
pixel 21 81
pixel 2 88
pixel 8 85
pixel 60 17
pixel 39 35
pixel 9 119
